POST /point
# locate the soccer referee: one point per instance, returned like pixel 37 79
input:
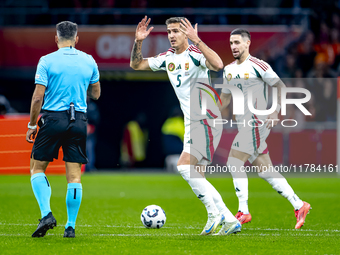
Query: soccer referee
pixel 63 80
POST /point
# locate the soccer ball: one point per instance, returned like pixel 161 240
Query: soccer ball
pixel 153 216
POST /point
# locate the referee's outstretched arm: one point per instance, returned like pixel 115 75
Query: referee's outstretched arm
pixel 93 91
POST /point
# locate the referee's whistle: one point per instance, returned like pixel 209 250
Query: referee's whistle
pixel 72 112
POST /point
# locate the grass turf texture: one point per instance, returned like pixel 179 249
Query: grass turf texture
pixel 109 217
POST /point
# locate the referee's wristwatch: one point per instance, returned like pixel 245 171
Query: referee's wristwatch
pixel 31 127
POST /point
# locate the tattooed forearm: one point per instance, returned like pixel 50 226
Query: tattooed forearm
pixel 136 54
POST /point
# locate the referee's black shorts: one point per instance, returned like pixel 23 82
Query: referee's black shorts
pixel 57 130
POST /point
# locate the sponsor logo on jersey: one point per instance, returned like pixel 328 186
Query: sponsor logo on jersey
pixel 246 76
pixel 171 67
pixel 229 76
pixel 37 76
pixel 236 144
pixel 237 77
pixel 179 67
pixel 190 141
pixel 187 66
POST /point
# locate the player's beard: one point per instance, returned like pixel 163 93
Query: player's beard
pixel 239 56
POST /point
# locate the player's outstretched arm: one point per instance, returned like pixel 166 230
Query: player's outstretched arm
pixel 273 118
pixel 214 62
pixel 225 99
pixel 137 62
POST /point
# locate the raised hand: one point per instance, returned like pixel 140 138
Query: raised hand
pixel 142 32
pixel 189 31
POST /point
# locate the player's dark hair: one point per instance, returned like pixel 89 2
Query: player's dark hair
pixel 67 30
pixel 174 20
pixel 243 32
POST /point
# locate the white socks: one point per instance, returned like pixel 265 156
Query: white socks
pixel 240 183
pixel 229 217
pixel 280 184
pixel 243 206
pixel 199 186
pixel 205 192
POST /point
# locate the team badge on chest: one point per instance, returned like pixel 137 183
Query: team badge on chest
pixel 246 76
pixel 229 76
pixel 171 67
pixel 186 66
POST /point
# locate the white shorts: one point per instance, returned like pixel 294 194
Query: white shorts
pixel 252 140
pixel 201 139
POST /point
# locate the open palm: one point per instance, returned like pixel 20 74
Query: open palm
pixel 142 32
pixel 188 30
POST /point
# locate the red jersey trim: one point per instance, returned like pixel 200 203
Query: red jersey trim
pixel 263 66
pixel 170 50
pixel 194 48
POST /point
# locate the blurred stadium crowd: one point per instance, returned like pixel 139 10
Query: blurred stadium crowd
pixel 158 4
pixel 311 60
pixel 99 12
pixel 316 54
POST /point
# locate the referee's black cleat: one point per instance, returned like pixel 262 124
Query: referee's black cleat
pixel 69 232
pixel 46 223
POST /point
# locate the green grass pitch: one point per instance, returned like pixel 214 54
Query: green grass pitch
pixel 109 217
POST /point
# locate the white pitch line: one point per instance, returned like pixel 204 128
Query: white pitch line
pixel 293 230
pixel 80 234
pixel 17 224
pixel 158 234
pixel 186 227
pixel 162 234
pixel 95 226
pixel 293 234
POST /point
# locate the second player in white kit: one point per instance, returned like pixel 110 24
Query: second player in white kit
pixel 252 75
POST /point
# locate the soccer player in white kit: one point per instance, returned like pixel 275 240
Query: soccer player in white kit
pixel 185 64
pixel 249 73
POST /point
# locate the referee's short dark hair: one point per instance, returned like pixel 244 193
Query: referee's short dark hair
pixel 243 32
pixel 67 30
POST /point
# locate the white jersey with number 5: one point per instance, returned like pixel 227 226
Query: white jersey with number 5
pixel 185 72
pixel 252 74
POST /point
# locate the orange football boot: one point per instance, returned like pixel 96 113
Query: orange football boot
pixel 301 215
pixel 243 218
